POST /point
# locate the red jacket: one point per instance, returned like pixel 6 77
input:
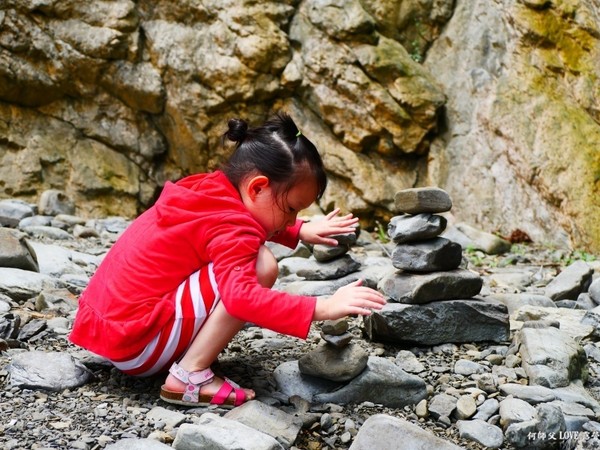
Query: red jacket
pixel 195 221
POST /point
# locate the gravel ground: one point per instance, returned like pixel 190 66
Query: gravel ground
pixel 115 406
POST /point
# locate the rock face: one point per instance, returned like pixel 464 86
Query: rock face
pixel 503 62
pixel 106 101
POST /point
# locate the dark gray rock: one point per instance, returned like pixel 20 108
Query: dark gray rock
pixel 571 282
pixel 332 363
pixel 433 255
pixel 323 253
pixel 9 326
pixel 31 328
pixel 346 239
pixel 381 382
pixel 418 227
pixel 428 324
pixel 436 286
pixel 338 341
pixel 16 252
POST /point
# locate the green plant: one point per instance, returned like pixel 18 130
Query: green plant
pixel 381 232
pixel 475 256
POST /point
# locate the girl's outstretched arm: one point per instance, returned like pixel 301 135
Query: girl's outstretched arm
pixel 350 299
pixel 318 232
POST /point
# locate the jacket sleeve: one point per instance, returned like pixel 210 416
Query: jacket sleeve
pixel 290 236
pixel 242 295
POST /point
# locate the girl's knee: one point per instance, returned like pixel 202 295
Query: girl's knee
pixel 267 269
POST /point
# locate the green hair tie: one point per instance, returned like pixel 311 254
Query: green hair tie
pixel 299 133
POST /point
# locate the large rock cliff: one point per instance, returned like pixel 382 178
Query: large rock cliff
pixel 495 101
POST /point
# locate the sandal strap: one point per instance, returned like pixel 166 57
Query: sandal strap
pixel 221 396
pixel 194 380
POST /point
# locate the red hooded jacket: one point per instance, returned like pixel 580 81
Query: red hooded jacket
pixel 197 220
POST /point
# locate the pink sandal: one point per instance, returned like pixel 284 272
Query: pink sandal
pixel 192 395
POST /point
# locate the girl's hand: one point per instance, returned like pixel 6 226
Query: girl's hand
pixel 350 299
pixel 317 232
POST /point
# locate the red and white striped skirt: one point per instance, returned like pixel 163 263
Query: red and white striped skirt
pixel 195 299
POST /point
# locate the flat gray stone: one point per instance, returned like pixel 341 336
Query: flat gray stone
pixel 138 444
pixel 384 432
pixel 422 200
pixel 531 394
pixel 429 324
pixel 290 382
pixel 21 285
pixel 514 410
pixel 267 419
pixel 53 371
pixel 550 357
pixel 488 435
pixel 571 282
pixel 515 301
pixel 13 211
pixel 214 432
pixel 422 288
pixel 311 269
pixel 381 382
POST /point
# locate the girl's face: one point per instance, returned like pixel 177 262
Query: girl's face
pixel 275 213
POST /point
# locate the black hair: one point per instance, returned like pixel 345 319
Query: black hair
pixel 277 150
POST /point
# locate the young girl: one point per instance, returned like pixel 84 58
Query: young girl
pixel 189 272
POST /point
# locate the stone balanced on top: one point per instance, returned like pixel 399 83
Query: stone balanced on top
pixel 431 297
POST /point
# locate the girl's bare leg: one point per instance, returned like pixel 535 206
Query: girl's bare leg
pixel 218 330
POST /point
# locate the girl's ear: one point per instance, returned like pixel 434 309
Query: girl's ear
pixel 256 185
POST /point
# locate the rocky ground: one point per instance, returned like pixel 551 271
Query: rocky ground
pixel 112 407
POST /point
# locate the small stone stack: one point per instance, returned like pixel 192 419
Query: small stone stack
pixel 432 298
pixel 336 359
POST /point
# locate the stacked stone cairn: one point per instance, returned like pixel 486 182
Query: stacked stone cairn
pixel 330 360
pixel 432 299
pixel 337 358
pixel 339 370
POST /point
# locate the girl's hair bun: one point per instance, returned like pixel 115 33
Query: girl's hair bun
pixel 237 130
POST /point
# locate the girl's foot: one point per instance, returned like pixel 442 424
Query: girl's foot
pixel 202 387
